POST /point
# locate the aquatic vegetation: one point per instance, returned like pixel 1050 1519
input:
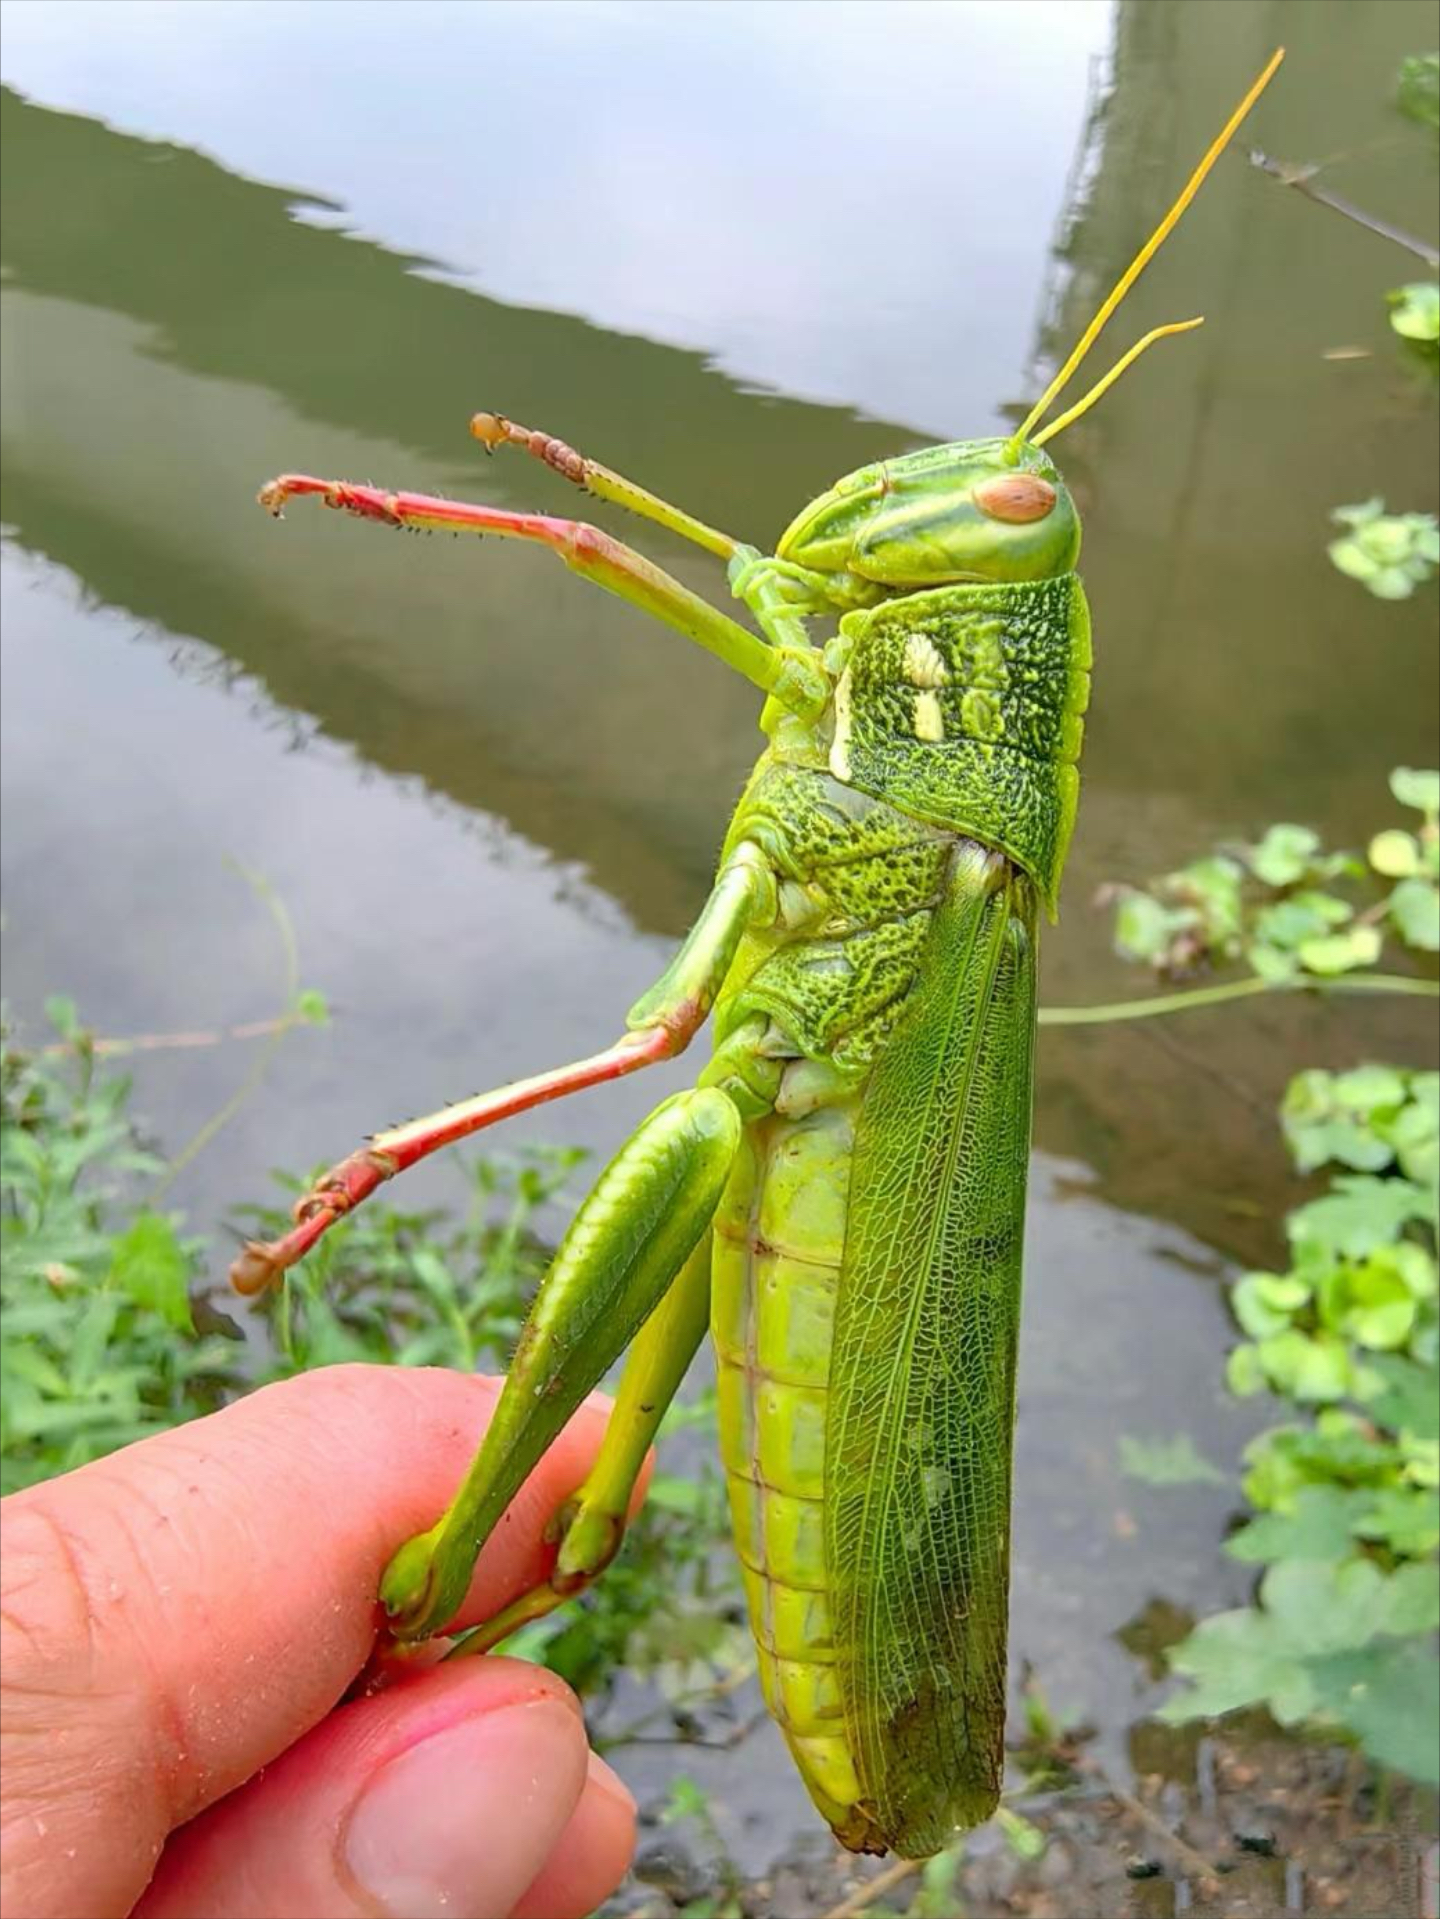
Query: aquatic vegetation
pixel 1390 554
pixel 1345 1497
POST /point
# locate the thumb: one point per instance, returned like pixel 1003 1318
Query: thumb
pixel 445 1795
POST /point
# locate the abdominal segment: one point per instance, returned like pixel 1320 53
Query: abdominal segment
pixel 779 1240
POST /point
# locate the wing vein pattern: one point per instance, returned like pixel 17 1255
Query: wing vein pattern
pixel 921 1407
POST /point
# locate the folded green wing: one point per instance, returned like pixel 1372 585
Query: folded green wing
pixel 922 1381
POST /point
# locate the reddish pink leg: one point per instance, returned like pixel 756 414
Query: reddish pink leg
pixel 356 1178
pixel 793 676
pixel 429 509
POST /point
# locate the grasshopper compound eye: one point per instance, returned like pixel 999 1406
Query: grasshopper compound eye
pixel 1015 497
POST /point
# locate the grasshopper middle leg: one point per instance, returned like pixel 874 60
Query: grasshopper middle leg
pixel 789 673
pixel 660 1025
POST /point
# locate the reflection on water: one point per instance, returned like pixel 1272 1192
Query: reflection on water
pixel 491 798
pixel 793 193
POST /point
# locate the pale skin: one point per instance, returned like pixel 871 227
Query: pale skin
pixel 180 1624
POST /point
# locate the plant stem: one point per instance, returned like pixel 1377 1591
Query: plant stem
pixel 1156 1004
pixel 895 1874
pixel 164 1042
pixel 274 1039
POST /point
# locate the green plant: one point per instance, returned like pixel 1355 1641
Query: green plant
pixel 670 1607
pixel 106 1336
pixel 1287 908
pixel 1347 1505
pixel 1345 1498
pixel 1417 89
pixel 98 1337
pixel 394 1287
pixel 1361 1280
pixel 1390 554
pixel 1415 312
pixel 687 1802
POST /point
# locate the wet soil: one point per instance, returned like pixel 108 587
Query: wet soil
pixel 1244 1824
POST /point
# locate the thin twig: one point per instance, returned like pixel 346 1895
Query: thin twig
pixel 895 1874
pixel 720 1688
pixel 164 1042
pixel 1302 179
pixel 261 1062
pixel 727 1743
pixel 1116 1010
pixel 1196 1865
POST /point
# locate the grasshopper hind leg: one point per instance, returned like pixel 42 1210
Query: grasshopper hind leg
pixel 631 1240
pixel 738 1085
pixel 590 1526
pixel 633 1236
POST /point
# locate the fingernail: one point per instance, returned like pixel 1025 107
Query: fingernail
pixel 460 1825
pixel 605 1779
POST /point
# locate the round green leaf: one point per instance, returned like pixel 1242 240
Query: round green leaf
pixel 1284 854
pixel 1415 310
pixel 1391 583
pixel 1415 909
pixel 1366 1088
pixel 1386 540
pixel 1419 788
pixel 1362 514
pixel 1342 952
pixel 1144 928
pixel 1312 1370
pixel 1412 1265
pixel 1381 1307
pixel 1263 1302
pixel 1395 854
pixel 1270 962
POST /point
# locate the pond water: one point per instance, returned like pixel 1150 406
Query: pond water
pixel 734 251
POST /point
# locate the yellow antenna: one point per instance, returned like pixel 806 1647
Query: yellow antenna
pixel 1100 386
pixel 1142 259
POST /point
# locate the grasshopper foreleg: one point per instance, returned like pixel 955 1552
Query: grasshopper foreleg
pixel 790 674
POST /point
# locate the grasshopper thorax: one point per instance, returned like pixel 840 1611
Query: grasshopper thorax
pixel 975 510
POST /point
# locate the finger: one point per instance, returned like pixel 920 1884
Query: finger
pixel 179 1613
pixel 591 1856
pixel 444 1796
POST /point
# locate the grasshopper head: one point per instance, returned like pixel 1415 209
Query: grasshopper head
pixel 973 510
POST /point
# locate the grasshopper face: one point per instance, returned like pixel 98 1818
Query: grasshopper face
pixel 974 510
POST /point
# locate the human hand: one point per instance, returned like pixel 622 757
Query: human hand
pixel 180 1622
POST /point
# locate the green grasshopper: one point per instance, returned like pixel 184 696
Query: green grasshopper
pixel 841 1195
